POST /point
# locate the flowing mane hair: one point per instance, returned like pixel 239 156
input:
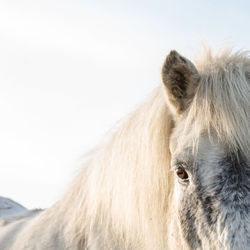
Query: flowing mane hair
pixel 123 192
pixel 127 183
pixel 221 104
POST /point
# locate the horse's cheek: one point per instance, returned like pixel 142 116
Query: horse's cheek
pixel 187 210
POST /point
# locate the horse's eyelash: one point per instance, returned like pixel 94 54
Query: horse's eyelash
pixel 175 166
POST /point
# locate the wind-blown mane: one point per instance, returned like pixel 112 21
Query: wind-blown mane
pixel 126 186
pixel 222 102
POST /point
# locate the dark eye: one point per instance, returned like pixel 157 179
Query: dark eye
pixel 181 173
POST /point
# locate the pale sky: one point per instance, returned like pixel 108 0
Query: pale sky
pixel 69 70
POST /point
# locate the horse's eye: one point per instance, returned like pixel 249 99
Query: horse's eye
pixel 181 173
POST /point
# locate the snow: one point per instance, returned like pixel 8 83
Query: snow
pixel 10 208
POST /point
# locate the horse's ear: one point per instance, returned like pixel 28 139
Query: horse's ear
pixel 180 78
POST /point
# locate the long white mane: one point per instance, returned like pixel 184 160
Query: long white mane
pixel 123 192
pixel 126 186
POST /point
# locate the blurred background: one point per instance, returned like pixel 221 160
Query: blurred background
pixel 70 69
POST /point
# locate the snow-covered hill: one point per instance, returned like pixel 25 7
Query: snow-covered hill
pixel 10 208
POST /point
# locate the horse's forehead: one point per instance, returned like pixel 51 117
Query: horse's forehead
pixel 206 148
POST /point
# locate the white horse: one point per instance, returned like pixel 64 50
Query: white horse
pixel 175 175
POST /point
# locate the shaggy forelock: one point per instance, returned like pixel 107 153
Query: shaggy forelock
pixel 221 104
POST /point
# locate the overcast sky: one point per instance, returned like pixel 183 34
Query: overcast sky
pixel 69 70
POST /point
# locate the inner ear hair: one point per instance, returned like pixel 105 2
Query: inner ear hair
pixel 180 78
